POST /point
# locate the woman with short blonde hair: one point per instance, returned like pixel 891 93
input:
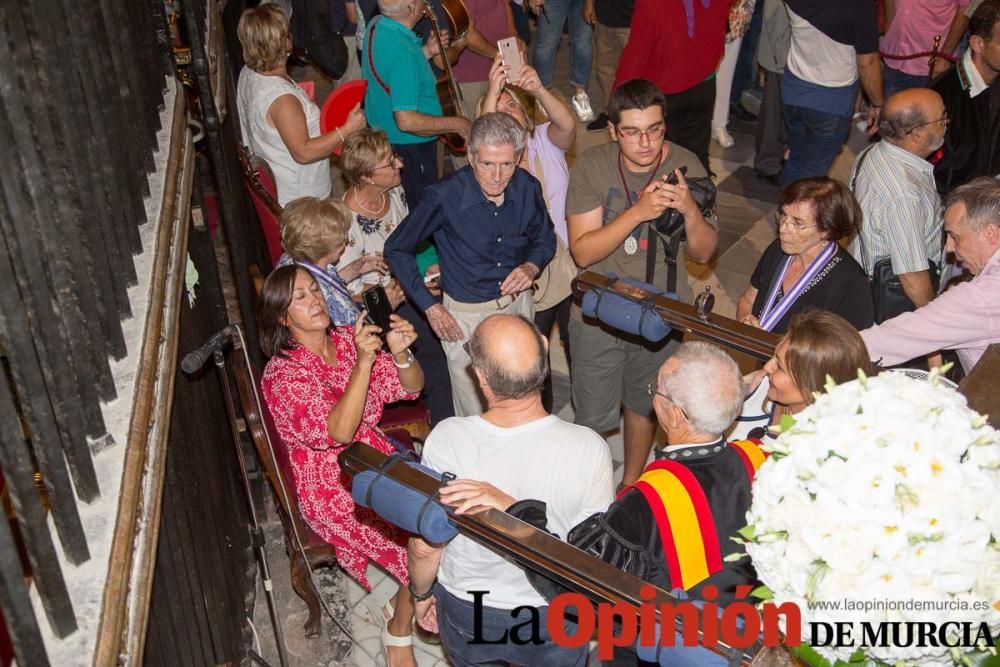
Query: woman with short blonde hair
pixel 263 34
pixel 377 207
pixel 278 120
pixel 313 229
pixel 313 234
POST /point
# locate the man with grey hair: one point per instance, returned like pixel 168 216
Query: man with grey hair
pixel 672 527
pixel 966 318
pixel 492 230
pixel 895 186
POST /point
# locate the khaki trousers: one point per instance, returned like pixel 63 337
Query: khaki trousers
pixel 464 386
pixel 608 46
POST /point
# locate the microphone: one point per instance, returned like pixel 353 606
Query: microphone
pixel 195 360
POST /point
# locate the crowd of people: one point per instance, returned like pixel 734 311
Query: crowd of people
pixel 475 256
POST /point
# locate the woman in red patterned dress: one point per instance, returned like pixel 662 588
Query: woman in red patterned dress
pixel 326 387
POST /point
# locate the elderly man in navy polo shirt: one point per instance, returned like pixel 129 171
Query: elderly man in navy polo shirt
pixel 494 236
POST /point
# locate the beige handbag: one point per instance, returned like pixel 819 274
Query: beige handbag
pixel 554 283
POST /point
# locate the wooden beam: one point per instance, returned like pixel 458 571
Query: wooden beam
pixel 133 547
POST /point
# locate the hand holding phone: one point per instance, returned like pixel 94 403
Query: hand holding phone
pixel 378 308
pixel 512 58
pixel 671 178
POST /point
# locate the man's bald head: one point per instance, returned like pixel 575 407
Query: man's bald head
pixel 913 120
pixel 511 355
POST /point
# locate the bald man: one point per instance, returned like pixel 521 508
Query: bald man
pixel 520 448
pixel 894 184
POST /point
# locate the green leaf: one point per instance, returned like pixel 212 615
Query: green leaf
pixel 749 533
pixel 786 423
pixel 762 593
pixel 733 557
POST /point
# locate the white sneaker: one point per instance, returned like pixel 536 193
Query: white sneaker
pixel 722 137
pixel 581 107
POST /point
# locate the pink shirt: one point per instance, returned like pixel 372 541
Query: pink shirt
pixel 966 319
pixel 550 160
pixel 913 28
pixel 490 19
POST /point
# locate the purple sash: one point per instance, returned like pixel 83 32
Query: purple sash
pixel 771 314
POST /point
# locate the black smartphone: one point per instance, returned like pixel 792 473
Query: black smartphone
pixel 378 307
pixel 672 177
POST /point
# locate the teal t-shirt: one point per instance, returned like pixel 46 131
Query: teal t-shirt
pixel 399 61
pixel 427 256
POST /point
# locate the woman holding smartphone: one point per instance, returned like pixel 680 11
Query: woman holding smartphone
pixel 326 387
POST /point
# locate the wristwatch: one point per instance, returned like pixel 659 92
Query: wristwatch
pixel 409 360
pixel 418 597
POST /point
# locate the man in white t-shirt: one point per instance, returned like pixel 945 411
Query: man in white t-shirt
pixel 481 604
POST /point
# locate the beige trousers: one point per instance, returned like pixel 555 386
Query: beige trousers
pixel 464 386
pixel 608 46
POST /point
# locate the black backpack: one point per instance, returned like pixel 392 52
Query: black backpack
pixel 315 27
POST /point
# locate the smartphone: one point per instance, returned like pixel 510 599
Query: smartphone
pixel 511 56
pixel 672 177
pixel 378 307
pixel 431 277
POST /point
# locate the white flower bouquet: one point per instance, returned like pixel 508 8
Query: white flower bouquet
pixel 883 491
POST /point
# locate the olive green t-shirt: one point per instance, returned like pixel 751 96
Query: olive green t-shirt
pixel 595 182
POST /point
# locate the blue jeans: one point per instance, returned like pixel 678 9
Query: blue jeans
pixel 814 139
pixel 745 75
pixel 456 623
pixel 895 80
pixel 548 34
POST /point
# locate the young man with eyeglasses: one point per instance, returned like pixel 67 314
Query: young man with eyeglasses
pixel 616 190
pixel 894 184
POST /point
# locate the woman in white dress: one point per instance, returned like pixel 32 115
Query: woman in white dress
pixel 278 120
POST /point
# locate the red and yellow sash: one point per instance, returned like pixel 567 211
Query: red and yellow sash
pixel 684 518
pixel 751 454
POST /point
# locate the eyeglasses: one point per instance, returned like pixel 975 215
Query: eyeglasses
pixel 634 135
pixel 394 160
pixel 944 120
pixel 784 220
pixel 653 389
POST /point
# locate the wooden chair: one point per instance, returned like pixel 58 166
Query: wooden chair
pixel 278 469
pixel 259 179
pixel 981 387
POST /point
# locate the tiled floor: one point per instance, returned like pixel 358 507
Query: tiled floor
pixel 745 207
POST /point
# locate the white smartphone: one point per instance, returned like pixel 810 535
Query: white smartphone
pixel 431 277
pixel 511 56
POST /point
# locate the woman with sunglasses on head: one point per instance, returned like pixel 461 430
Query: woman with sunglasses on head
pixel 818 345
pixel 805 268
pixel 378 206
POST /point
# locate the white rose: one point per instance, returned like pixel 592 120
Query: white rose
pixel 987 585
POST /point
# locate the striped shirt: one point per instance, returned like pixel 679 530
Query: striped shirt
pixel 902 210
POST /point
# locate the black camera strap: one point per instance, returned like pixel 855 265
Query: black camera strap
pixel 671 248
